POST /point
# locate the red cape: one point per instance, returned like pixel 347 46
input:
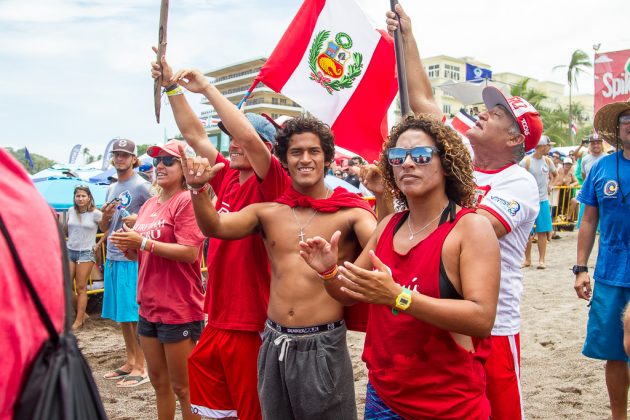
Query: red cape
pixel 339 199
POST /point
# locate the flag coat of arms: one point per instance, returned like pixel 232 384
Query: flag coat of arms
pixel 336 65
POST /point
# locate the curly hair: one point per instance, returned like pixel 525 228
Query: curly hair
pixel 305 124
pixel 455 159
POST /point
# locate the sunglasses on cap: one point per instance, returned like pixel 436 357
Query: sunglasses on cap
pixel 166 160
pixel 396 156
pixel 624 119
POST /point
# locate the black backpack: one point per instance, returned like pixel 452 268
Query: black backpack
pixel 59 384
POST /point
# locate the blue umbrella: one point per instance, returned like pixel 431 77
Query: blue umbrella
pixel 59 192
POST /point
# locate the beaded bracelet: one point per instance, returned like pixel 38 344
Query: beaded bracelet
pixel 329 274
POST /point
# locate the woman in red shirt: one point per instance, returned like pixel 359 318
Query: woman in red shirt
pixel 432 275
pixel 167 243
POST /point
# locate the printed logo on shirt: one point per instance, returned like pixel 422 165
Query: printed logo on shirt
pixel 225 208
pixel 480 193
pixel 610 188
pixel 413 285
pixel 511 207
pixel 544 169
pixel 125 198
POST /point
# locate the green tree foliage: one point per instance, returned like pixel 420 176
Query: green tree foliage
pixel 142 149
pixel 578 64
pixel 555 120
pixel 39 162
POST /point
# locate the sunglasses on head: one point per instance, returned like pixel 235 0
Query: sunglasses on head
pixel 166 160
pixel 624 119
pixel 396 156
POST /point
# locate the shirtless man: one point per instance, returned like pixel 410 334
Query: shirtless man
pixel 304 369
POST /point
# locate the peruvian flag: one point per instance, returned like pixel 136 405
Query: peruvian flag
pixel 336 65
pixel 462 122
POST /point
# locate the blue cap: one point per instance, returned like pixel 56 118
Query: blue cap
pixel 262 125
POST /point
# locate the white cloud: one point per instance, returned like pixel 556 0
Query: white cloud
pixel 78 71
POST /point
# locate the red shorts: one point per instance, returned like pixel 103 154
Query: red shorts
pixel 223 376
pixel 503 370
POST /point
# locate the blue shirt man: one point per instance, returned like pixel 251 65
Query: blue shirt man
pixel 606 196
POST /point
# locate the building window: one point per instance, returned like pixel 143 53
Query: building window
pixel 283 101
pixel 274 116
pixel 274 101
pixel 451 72
pixel 434 71
pixel 446 109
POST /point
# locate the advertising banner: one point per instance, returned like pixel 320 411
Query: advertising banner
pixel 612 77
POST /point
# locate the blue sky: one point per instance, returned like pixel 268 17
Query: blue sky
pixel 78 71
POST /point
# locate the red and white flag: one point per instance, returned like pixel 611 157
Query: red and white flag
pixel 462 122
pixel 574 129
pixel 335 64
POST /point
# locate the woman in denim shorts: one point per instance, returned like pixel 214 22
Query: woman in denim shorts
pixel 81 229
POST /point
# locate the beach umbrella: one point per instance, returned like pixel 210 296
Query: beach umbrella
pixel 58 192
pixel 333 182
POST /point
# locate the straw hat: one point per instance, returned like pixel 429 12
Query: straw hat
pixel 607 121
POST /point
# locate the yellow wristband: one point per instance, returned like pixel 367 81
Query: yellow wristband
pixel 177 91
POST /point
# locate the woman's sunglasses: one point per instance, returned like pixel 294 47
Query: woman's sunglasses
pixel 166 160
pixel 396 156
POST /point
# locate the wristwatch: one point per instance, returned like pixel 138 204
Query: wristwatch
pixel 579 269
pixel 403 301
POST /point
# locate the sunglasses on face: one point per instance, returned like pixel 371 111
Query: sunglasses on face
pixel 166 160
pixel 624 119
pixel 396 156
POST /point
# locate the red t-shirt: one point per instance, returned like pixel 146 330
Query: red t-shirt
pixel 416 368
pixel 32 228
pixel 238 270
pixel 170 292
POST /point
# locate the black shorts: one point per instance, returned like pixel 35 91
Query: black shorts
pixel 170 333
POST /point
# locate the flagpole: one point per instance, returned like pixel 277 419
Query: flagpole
pixel 247 94
pixel 400 65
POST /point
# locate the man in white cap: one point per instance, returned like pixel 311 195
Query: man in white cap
pixel 124 199
pixel 606 196
pixel 542 168
pixel 506 194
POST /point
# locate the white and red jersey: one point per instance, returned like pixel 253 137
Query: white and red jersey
pixel 511 195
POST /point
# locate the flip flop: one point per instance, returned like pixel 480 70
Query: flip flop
pixel 524 265
pixel 116 374
pixel 541 266
pixel 138 380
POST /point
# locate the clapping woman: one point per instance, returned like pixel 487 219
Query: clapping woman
pixel 167 244
pixel 431 275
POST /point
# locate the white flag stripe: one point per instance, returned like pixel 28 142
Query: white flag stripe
pixel 313 96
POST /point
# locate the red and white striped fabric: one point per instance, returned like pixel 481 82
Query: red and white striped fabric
pixel 335 64
pixel 462 122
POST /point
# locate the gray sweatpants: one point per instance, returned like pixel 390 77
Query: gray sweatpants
pixel 305 377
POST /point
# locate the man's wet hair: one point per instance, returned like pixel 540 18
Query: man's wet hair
pixel 305 124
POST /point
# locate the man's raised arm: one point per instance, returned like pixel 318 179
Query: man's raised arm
pixel 235 122
pixel 421 97
pixel 187 121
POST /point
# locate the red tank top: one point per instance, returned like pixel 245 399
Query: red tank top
pixel 418 369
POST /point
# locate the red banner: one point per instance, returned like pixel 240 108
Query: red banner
pixel 612 77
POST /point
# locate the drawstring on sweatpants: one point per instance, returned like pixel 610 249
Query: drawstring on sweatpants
pixel 282 341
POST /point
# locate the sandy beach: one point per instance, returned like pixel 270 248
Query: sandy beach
pixel 557 381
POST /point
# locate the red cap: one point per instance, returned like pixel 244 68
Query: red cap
pixel 523 112
pixel 171 147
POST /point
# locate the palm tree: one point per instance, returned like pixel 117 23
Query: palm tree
pixel 579 62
